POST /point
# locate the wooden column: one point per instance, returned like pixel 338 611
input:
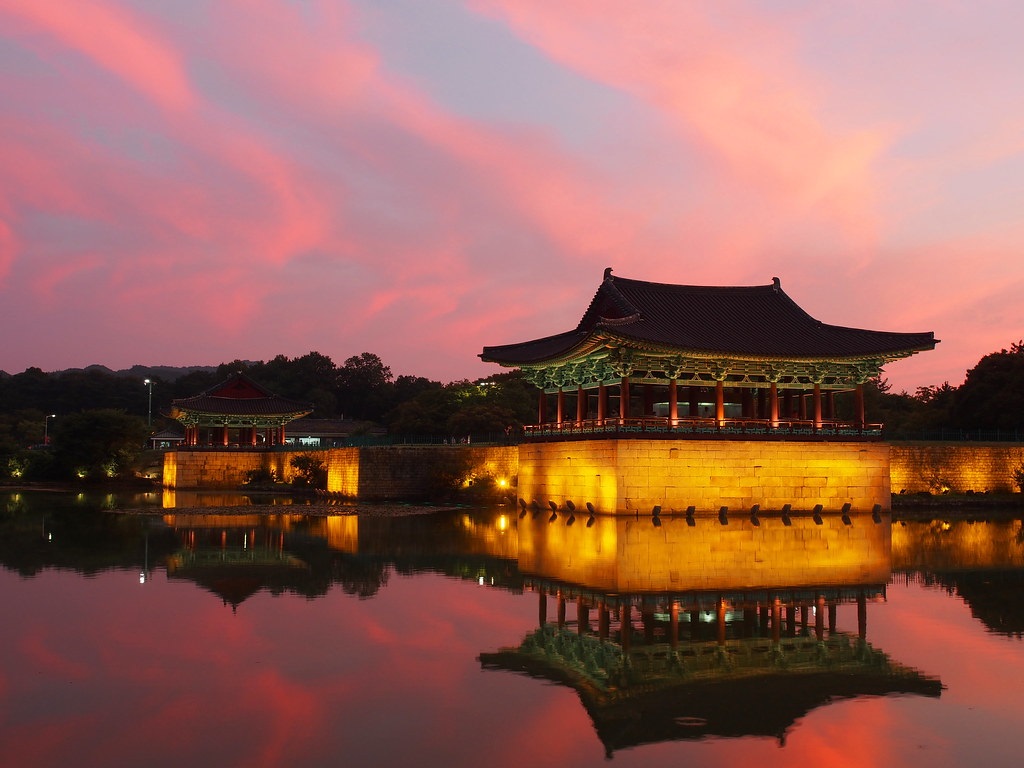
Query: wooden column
pixel 720 403
pixel 773 398
pixel 581 404
pixel 673 403
pixel 776 620
pixel 624 400
pixel 858 406
pixel 542 407
pixel 560 408
pixel 862 616
pixel 626 628
pixel 542 608
pixel 602 404
pixel 817 405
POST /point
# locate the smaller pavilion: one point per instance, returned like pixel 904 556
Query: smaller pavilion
pixel 677 359
pixel 237 412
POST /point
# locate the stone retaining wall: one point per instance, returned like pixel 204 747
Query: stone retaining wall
pixel 371 473
pixel 417 471
pixel 635 475
pixel 956 467
pixel 629 476
pixel 221 469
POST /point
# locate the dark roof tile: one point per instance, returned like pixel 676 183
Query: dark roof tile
pixel 758 321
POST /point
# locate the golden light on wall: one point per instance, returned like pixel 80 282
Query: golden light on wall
pixel 343 471
pixel 634 476
pixel 938 468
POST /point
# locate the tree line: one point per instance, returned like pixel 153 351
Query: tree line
pixel 94 421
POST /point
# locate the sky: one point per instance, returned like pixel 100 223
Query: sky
pixel 196 182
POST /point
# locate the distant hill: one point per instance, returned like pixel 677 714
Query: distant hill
pixel 162 372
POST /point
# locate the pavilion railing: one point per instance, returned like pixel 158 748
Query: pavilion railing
pixel 696 427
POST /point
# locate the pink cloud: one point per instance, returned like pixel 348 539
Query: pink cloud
pixel 115 39
pixel 7 249
pixel 729 80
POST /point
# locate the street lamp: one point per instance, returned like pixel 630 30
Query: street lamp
pixel 46 427
pixel 149 416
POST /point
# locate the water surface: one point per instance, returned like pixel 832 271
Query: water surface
pixel 219 635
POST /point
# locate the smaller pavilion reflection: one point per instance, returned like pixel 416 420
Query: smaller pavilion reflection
pixel 691 628
pixel 236 556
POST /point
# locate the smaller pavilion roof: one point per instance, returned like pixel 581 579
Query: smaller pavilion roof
pixel 748 321
pixel 239 396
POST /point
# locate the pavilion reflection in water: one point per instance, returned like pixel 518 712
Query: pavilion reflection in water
pixel 702 627
pixel 234 554
pixel 675 628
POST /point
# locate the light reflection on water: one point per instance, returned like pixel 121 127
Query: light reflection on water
pixel 213 636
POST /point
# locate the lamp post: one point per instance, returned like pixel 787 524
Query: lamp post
pixel 149 414
pixel 46 427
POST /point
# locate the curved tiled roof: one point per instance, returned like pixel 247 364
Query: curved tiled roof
pixel 747 321
pixel 240 396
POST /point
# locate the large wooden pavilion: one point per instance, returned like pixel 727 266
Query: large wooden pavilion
pixel 653 357
pixel 237 412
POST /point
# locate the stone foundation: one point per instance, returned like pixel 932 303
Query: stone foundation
pixel 634 476
pixel 629 476
pixel 371 473
pixel 956 467
pixel 417 471
pixel 222 469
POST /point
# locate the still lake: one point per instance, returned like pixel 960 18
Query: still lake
pixel 210 634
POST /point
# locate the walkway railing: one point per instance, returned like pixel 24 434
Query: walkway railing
pixel 703 427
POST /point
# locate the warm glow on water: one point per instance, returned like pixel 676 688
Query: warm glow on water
pixel 249 640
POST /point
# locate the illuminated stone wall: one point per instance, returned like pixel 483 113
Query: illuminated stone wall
pixel 415 471
pixel 628 476
pixel 221 469
pixel 381 472
pixel 634 475
pixel 957 467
